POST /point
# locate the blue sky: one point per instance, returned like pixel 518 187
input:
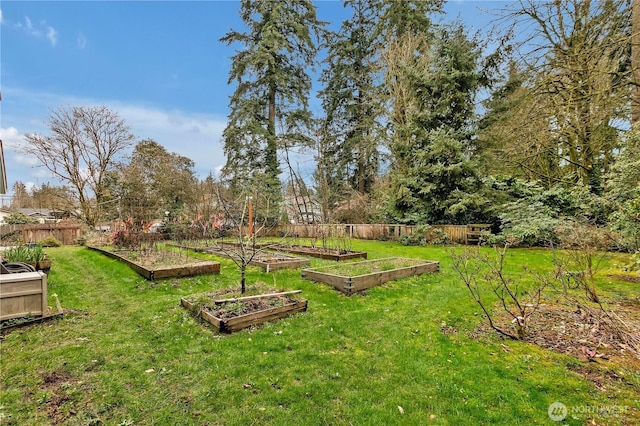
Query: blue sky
pixel 158 64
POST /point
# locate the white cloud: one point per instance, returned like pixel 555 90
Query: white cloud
pixel 1 21
pixel 11 141
pixel 38 31
pixel 81 41
pixel 52 35
pixel 196 136
pixel 10 137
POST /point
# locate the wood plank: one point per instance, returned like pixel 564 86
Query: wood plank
pixel 259 296
pixel 255 318
pixel 211 319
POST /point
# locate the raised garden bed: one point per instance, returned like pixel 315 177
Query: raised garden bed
pixel 229 315
pixel 357 276
pixel 268 261
pixel 321 253
pixel 155 271
pixel 23 294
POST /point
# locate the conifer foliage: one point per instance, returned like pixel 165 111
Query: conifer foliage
pixel 269 107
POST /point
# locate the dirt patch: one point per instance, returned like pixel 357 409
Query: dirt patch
pixel 586 334
pixel 158 258
pixel 631 278
pixel 54 382
pixel 321 252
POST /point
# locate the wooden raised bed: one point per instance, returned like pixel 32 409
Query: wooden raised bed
pixel 351 284
pixel 321 253
pixel 266 260
pixel 188 270
pixel 23 294
pixel 233 324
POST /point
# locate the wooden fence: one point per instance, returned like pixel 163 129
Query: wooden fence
pixel 67 233
pixel 461 234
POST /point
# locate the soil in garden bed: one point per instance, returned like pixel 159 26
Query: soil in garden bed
pixel 242 307
pixel 157 263
pixel 320 252
pixel 267 260
pixel 235 309
pixel 354 269
pixel 155 258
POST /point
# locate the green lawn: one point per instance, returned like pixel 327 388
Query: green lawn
pixel 127 353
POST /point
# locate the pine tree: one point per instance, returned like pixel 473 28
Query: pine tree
pixel 273 84
pixel 351 100
pixel 433 179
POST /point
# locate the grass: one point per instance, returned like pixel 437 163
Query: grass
pixel 127 353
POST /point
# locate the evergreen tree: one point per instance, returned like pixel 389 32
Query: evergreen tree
pixel 433 179
pixel 351 100
pixel 273 84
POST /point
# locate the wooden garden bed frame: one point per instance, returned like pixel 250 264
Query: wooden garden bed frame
pixel 268 263
pixel 188 270
pixel 352 284
pixel 320 253
pixel 231 325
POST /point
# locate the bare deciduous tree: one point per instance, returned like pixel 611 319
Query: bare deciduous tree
pixel 84 143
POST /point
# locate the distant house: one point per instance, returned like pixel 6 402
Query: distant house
pixel 43 215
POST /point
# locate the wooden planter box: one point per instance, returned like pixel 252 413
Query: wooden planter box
pixel 42 265
pixel 230 325
pixel 268 262
pixel 23 294
pixel 275 263
pixel 352 284
pixel 321 253
pixel 196 268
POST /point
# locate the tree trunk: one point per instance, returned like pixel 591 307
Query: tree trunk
pixel 271 157
pixel 635 62
pixel 243 277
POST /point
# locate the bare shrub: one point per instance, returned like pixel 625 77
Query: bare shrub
pixel 582 254
pixel 484 274
pixel 584 251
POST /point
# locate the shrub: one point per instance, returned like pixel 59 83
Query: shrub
pixel 634 263
pixel 50 241
pixel 417 238
pixel 534 213
pixel 439 237
pixel 485 276
pixel 82 240
pixel 25 254
pixel 19 219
